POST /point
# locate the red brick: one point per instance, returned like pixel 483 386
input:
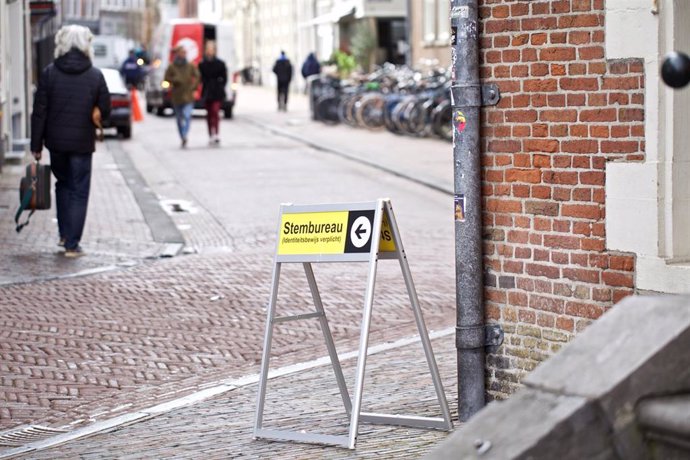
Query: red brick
pixel 523 175
pixel 619 146
pixel 517 298
pixel 512 266
pixel 523 253
pixel 592 178
pixel 527 316
pixel 581 146
pixel 504 146
pixel 545 320
pixel 541 145
pixel 557 54
pixel 600 131
pixel 579 84
pixel 539 69
pixel 583 310
pixel 579 37
pixel 540 85
pixel 519 9
pixel 542 225
pixel 620 131
pixel 541 161
pixel 510 55
pixel 520 39
pixel 601 294
pixel 500 11
pixel 542 23
pixel 579 130
pixel 541 191
pixel 617 279
pixel 556 100
pixel 493 26
pixel 562 226
pixel 521 116
pixel 522 160
pixel 560 177
pixel 620 294
pixel 576 100
pixel 558 38
pixel 538 39
pixel 581 20
pixel 589 53
pixel 582 5
pixel 579 274
pixel 623 263
pixel 567 115
pixel 621 83
pixel 522 131
pixel 561 194
pixel 627 114
pixel 565 324
pixel 560 7
pixel 529 55
pixel 582 211
pixel 560 241
pixel 552 304
pixel 599 115
pixel 582 194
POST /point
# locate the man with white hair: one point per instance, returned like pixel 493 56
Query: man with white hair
pixel 68 92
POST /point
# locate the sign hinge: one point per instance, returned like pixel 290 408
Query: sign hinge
pixel 470 337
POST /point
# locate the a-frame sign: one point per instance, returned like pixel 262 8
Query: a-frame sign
pixel 343 233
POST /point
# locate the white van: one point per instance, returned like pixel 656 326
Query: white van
pixel 193 35
pixel 109 51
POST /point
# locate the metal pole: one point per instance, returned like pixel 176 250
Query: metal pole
pixel 466 101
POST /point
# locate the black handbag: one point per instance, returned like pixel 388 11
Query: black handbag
pixel 34 192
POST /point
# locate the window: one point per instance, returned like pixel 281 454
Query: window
pixel 436 14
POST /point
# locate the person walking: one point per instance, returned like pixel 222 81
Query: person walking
pixel 283 70
pixel 311 66
pixel 214 76
pixel 131 70
pixel 183 77
pixel 67 94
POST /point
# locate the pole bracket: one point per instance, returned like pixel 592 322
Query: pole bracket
pixel 475 95
pixel 485 335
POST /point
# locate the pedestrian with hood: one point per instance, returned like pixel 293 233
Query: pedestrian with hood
pixel 311 66
pixel 283 70
pixel 214 76
pixel 183 77
pixel 68 92
pixel 131 70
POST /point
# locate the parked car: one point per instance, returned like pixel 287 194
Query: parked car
pixel 193 35
pixel 121 114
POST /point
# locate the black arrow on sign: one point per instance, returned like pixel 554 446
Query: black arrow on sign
pixel 359 231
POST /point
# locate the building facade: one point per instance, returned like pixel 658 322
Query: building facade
pixel 584 166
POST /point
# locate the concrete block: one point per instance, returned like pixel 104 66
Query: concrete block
pixel 531 425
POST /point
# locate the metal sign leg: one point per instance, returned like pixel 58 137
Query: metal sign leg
pixel 328 337
pixel 266 355
pixel 421 326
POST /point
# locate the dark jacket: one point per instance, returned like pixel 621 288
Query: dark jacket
pixel 311 66
pixel 67 92
pixel 214 76
pixel 283 70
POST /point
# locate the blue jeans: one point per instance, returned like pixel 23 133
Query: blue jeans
pixel 73 174
pixel 183 115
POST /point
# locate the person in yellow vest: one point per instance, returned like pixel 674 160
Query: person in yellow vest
pixel 183 77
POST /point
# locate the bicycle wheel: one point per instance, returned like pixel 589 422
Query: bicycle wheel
pixel 327 109
pixel 369 114
pixel 443 121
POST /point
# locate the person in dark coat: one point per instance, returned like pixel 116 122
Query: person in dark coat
pixel 311 66
pixel 62 120
pixel 214 76
pixel 283 70
pixel 131 70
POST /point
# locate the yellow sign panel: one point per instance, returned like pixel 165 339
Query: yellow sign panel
pixel 313 233
pixel 331 233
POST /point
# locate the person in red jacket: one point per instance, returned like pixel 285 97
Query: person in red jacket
pixel 67 93
pixel 214 76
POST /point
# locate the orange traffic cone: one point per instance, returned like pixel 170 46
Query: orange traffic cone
pixel 136 110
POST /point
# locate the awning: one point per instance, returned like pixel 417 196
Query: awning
pixel 333 17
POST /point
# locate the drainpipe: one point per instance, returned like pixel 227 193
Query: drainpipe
pixel 472 335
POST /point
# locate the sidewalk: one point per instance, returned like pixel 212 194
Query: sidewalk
pixel 427 161
pixel 221 427
pixel 116 232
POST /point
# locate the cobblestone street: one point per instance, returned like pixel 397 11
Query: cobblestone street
pixel 122 329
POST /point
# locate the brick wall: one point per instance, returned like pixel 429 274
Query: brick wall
pixel 566 111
